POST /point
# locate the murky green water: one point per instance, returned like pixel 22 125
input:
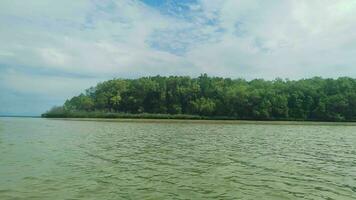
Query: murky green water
pixel 57 159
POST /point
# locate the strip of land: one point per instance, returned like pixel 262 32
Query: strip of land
pixel 207 122
pixel 215 98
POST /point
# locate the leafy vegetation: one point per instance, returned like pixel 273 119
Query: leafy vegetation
pixel 206 97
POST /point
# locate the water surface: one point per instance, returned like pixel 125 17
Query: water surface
pixel 65 159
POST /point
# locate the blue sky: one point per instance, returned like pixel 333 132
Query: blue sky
pixel 52 50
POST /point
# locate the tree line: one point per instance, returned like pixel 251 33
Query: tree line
pixel 306 99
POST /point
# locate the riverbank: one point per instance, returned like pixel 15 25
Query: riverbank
pixel 104 115
pixel 207 122
pixel 171 117
pixel 111 115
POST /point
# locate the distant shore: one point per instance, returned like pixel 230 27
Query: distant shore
pixel 22 116
pixel 210 121
pixel 110 115
pixel 92 116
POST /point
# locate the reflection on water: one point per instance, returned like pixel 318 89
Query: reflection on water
pixel 57 159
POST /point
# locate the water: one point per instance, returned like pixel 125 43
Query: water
pixel 61 159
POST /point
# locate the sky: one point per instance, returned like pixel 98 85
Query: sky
pixel 52 50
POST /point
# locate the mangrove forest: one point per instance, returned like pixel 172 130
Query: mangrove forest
pixel 204 97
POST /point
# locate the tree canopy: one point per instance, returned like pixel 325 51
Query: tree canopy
pixel 306 99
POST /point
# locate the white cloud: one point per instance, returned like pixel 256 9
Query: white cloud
pixel 54 57
pixel 45 85
pixel 235 38
pixel 6 54
pixel 292 39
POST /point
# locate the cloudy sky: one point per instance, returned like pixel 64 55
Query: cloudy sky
pixel 52 50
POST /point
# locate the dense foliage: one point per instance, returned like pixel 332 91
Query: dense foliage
pixel 306 99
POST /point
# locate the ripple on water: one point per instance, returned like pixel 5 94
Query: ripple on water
pixel 54 159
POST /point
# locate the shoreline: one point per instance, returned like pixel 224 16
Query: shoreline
pixel 206 121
